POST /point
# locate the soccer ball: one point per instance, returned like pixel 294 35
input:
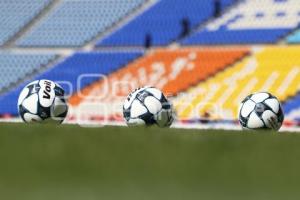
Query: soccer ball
pixel 147 106
pixel 261 111
pixel 42 101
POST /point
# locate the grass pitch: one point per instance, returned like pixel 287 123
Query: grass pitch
pixel 112 163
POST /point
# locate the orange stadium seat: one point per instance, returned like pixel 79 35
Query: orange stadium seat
pixel 274 69
pixel 170 70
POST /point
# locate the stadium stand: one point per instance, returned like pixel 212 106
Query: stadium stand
pixel 294 38
pixel 209 76
pixel 170 70
pixel 292 108
pixel 292 104
pixel 73 23
pixel 15 14
pixel 273 69
pixel 227 3
pixel 252 21
pixel 162 22
pixel 69 71
pixel 14 67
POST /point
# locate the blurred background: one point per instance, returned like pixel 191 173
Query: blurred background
pixel 206 56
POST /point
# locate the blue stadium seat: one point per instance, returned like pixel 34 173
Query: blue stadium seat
pixel 291 104
pixel 15 67
pixel 224 36
pixel 69 70
pixel 162 22
pixel 251 22
pixel 294 38
pixel 226 3
pixel 73 23
pixel 15 14
pixel 292 108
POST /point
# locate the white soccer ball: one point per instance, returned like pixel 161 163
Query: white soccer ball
pixel 147 106
pixel 261 110
pixel 42 101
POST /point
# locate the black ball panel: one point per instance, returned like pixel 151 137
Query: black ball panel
pixel 44 112
pixel 260 108
pixel 22 111
pixel 243 121
pixel 148 118
pixel 59 91
pixel 126 113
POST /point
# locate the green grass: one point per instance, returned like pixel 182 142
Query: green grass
pixel 71 163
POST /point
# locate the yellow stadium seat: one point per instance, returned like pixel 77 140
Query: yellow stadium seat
pixel 273 69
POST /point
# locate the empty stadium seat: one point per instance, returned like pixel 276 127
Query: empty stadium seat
pixel 272 69
pixel 73 23
pixel 15 14
pixel 252 21
pixel 172 71
pixel 294 38
pixel 14 67
pixel 68 73
pixel 291 108
pixel 226 3
pixel 292 104
pixel 205 81
pixel 162 22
